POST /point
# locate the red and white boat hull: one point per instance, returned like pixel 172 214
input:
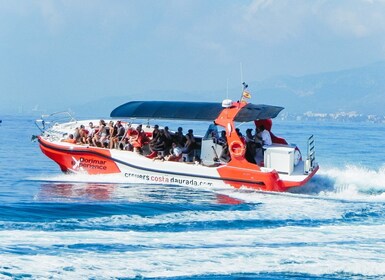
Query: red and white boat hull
pixel 135 167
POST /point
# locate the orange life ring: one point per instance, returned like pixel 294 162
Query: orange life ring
pixel 237 148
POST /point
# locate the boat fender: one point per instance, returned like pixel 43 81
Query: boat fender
pixel 297 156
pixel 237 148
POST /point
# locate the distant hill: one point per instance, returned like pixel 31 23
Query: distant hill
pixel 361 90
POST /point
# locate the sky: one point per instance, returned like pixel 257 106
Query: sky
pixel 54 54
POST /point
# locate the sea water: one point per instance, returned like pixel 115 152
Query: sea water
pixel 56 226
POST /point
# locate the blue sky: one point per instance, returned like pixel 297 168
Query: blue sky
pixel 57 53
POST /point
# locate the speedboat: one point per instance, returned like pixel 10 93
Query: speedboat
pixel 278 167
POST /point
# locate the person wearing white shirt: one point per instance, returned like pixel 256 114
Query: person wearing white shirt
pixel 265 136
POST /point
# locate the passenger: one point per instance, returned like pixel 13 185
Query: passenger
pixel 249 136
pixel 139 140
pixel 159 143
pixel 101 135
pixel 125 143
pixel 132 136
pixel 240 135
pixel 264 136
pixel 168 138
pixel 83 132
pixel 77 135
pixel 111 129
pixel 225 154
pixel 175 153
pixel 222 140
pixel 251 146
pixel 155 132
pixel 190 145
pixel 154 136
pixel 111 132
pixel 91 133
pixel 179 138
pixel 212 132
pixel 70 139
pixel 120 132
pixel 262 139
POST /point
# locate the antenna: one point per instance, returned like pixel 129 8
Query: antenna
pixel 240 64
pixel 227 88
pixel 244 93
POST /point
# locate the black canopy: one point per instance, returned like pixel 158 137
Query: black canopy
pixel 198 111
pixel 252 112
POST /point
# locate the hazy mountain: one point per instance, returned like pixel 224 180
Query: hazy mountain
pixel 361 90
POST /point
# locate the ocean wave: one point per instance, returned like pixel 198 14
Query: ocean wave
pixel 355 249
pixel 351 182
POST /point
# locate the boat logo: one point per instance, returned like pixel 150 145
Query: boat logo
pixel 75 164
pixel 87 163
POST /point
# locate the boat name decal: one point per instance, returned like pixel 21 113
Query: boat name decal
pixel 92 163
pixel 166 179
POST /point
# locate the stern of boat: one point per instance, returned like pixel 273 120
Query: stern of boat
pixel 287 161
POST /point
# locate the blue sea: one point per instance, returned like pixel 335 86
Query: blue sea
pixel 57 226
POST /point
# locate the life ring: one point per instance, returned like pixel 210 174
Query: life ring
pixel 237 148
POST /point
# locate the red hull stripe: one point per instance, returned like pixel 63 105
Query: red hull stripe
pixel 66 151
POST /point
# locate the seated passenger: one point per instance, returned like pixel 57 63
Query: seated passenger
pixel 189 145
pixel 225 154
pixel 125 143
pixel 249 136
pixel 155 133
pixel 139 140
pixel 179 137
pixel 251 146
pixel 119 132
pixel 111 132
pixel 91 132
pixel 70 139
pixel 264 136
pixel 175 153
pixel 77 135
pixel 83 132
pixel 240 135
pixel 222 140
pixel 159 143
pixel 168 138
pixel 101 135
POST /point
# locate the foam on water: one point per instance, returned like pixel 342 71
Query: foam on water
pixel 157 254
pixel 351 182
pixel 56 226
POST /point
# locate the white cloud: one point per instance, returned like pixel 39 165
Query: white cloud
pixel 279 21
pixel 50 14
pixel 356 19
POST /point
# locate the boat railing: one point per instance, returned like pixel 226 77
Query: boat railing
pixel 310 160
pixel 47 122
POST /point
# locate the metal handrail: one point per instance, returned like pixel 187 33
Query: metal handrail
pixel 310 160
pixel 46 122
